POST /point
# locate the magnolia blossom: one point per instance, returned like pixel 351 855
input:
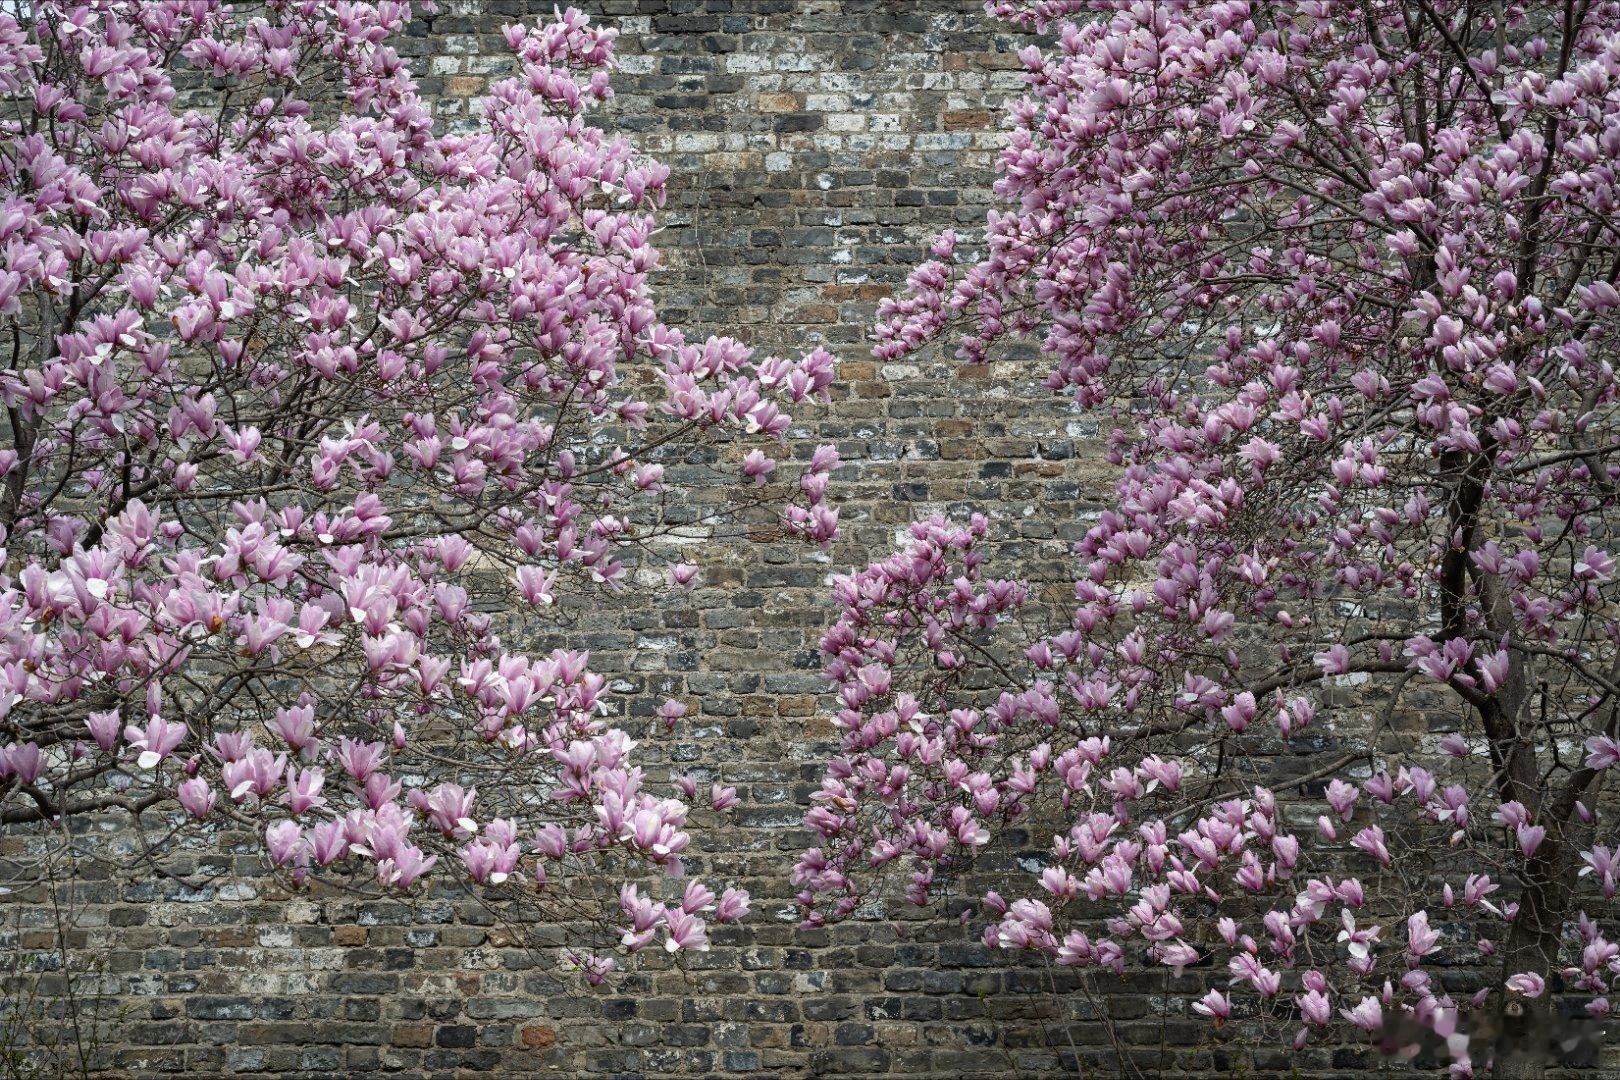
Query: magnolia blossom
pixel 1528 983
pixel 1338 282
pixel 308 393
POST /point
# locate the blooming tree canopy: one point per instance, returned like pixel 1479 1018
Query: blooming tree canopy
pixel 1344 277
pixel 301 396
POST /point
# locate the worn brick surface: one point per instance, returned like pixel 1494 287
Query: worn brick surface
pixel 815 145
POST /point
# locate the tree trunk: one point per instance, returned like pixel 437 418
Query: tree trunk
pixel 1525 1039
pixel 1522 1048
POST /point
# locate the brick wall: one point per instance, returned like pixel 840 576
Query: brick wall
pixel 815 145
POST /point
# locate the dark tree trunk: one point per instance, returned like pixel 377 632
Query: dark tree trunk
pixel 1525 1036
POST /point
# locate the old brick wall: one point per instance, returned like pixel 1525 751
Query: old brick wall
pixel 815 145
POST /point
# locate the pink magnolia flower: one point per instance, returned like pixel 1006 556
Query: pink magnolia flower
pixel 1420 939
pixel 1529 837
pixel 644 916
pixel 22 760
pixel 1601 752
pixel 757 466
pixel 1342 797
pixel 684 932
pixel 733 906
pixel 1315 1007
pixel 1357 941
pixel 402 869
pixel 1603 862
pixel 449 808
pixel 304 789
pixel 258 774
pixel 1367 1014
pixel 296 726
pixel 1527 983
pixel 156 741
pixel 1215 1005
pixel 284 839
pixel 1177 956
pixel 1371 840
pixel 104 728
pixel 197 797
pixel 536 585
pixel 359 760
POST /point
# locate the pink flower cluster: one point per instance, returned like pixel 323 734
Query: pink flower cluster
pixel 307 400
pixel 1343 276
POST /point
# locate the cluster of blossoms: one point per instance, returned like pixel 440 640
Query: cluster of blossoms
pixel 1344 275
pixel 302 396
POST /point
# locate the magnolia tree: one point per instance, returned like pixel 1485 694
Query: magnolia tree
pixel 1344 277
pixel 300 395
